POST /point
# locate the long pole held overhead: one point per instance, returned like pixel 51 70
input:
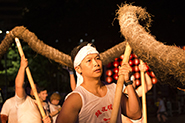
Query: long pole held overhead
pixel 119 87
pixel 33 87
pixel 143 95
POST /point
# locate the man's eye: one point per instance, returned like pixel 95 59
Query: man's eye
pixel 88 60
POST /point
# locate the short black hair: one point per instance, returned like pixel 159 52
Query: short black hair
pixel 39 89
pixel 77 49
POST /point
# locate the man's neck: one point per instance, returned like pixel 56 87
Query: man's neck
pixel 95 86
pixel 41 100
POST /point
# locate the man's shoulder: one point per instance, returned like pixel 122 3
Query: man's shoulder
pixel 10 100
pixel 74 100
pixel 74 94
pixel 74 97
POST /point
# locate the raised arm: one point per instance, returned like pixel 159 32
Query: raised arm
pixel 19 81
pixel 72 81
pixel 148 81
pixel 131 105
pixel 72 78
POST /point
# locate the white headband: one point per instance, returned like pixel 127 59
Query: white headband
pixel 82 53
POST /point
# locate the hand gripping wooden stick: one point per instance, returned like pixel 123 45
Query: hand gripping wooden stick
pixel 119 87
pixel 143 94
pixel 31 80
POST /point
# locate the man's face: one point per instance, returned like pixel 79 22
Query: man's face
pixel 43 95
pixel 91 66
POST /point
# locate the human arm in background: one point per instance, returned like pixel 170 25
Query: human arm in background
pixel 4 118
pixel 72 80
pixel 130 105
pixel 148 81
pixel 55 112
pixel 5 112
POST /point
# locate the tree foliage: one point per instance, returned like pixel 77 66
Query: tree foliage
pixel 10 65
pixel 45 72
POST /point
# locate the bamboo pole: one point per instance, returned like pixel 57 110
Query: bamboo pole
pixel 119 88
pixel 143 94
pixel 33 87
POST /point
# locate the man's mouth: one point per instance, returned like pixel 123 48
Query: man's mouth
pixel 97 70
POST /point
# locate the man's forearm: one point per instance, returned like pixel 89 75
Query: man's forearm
pixel 19 81
pixel 4 118
pixel 148 82
pixel 134 107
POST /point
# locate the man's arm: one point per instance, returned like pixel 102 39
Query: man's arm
pixel 72 81
pixel 4 118
pixel 148 81
pixel 5 111
pixel 70 109
pixel 131 105
pixel 72 78
pixel 19 81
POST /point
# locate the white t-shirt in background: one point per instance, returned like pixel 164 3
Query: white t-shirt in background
pixel 9 109
pixel 28 111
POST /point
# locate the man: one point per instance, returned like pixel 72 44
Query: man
pixel 92 100
pixel 42 93
pixel 9 111
pixel 161 112
pixel 27 110
pixel 142 67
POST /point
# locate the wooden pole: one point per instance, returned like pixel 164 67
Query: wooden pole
pixel 119 87
pixel 31 80
pixel 143 94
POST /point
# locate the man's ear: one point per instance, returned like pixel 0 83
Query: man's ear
pixel 78 69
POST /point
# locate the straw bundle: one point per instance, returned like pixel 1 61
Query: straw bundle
pixel 38 46
pixel 167 62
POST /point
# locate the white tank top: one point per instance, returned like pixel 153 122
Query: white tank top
pixel 97 109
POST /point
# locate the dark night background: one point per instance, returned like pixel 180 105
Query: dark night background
pixel 62 23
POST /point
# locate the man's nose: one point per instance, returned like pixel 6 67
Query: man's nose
pixel 95 63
